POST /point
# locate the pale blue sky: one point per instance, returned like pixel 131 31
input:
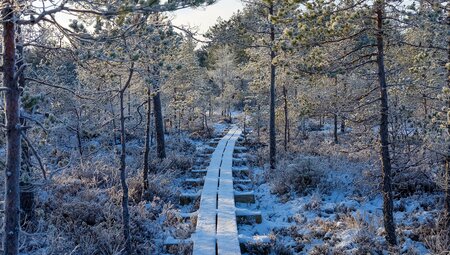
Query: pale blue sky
pixel 198 19
pixel 203 18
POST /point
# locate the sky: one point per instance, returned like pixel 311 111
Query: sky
pixel 196 19
pixel 203 18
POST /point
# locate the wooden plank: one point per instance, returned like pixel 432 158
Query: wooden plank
pixel 246 216
pixel 244 197
pixel 204 237
pixel 188 197
pixel 194 181
pixel 227 233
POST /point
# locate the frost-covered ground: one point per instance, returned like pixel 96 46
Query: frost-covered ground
pixel 339 215
pixel 312 204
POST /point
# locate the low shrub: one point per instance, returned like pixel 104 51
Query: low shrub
pixel 301 176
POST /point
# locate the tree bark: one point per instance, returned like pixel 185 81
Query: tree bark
pixel 26 186
pixel 147 145
pixel 272 132
pixel 159 121
pixel 206 122
pixel 210 112
pixel 114 126
pixel 258 128
pixel 335 114
pixel 286 118
pixel 129 103
pixel 152 128
pixel 123 173
pixel 386 167
pixel 335 130
pixel 78 132
pixel 13 157
pixel 447 158
pixel 425 105
pixel 343 114
pixel 244 132
pixel 179 124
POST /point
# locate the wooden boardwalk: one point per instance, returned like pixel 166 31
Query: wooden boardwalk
pixel 216 229
pixel 227 233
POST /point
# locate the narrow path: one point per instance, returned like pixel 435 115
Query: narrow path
pixel 216 229
pixel 227 233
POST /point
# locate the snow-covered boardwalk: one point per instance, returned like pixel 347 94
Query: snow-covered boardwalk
pixel 227 234
pixel 216 230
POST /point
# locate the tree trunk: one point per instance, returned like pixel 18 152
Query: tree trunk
pixel 447 159
pixel 388 205
pixel 258 128
pixel 203 122
pixel 344 92
pixel 123 173
pixel 179 124
pixel 159 120
pixel 222 101
pixel 12 109
pixel 152 128
pixel 26 186
pixel 425 105
pixel 335 114
pixel 335 130
pixel 210 113
pixel 147 145
pixel 286 118
pixel 27 195
pixel 114 126
pixel 206 122
pixel 272 134
pixel 303 128
pixel 245 126
pixel 129 103
pixel 78 132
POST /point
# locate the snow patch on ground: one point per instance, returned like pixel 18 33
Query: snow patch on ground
pixel 339 218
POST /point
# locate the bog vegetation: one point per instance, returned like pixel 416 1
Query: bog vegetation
pixel 341 101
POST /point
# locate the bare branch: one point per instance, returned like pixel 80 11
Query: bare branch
pixel 35 154
pixel 58 87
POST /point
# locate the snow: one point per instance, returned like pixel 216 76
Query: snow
pixel 244 193
pixel 254 239
pixel 204 237
pixel 219 127
pixel 336 216
pixel 191 194
pixel 240 168
pixel 227 235
pixel 246 212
